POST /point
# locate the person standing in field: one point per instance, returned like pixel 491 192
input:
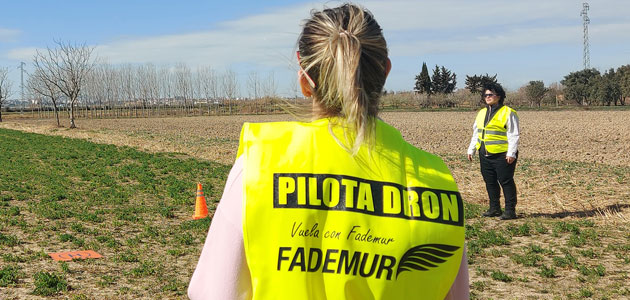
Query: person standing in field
pixel 495 136
pixel 340 207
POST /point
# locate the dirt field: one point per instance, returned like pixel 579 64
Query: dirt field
pixel 580 137
pixel 574 166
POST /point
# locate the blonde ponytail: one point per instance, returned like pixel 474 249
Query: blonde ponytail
pixel 344 51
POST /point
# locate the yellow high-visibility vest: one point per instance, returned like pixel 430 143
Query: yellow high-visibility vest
pixel 320 223
pixel 494 134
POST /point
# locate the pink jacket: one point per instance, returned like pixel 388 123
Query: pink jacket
pixel 222 271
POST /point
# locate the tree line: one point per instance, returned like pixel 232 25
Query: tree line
pixel 68 77
pixel 590 87
pixel 585 87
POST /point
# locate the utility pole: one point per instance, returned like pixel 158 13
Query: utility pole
pixel 22 85
pixel 586 21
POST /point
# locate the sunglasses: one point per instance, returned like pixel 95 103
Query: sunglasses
pixel 302 71
pixel 489 95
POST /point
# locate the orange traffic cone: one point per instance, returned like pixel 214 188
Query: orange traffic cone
pixel 201 210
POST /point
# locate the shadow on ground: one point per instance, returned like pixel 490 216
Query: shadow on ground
pixel 613 208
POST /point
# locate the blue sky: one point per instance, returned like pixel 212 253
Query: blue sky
pixel 517 40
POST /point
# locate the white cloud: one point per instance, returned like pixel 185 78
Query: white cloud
pixel 23 54
pixel 508 39
pixel 8 35
pixel 415 27
pixel 266 39
pixel 463 14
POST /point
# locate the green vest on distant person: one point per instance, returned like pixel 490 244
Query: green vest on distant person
pixel 494 134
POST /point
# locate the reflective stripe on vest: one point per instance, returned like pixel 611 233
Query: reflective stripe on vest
pixel 493 134
pixel 320 223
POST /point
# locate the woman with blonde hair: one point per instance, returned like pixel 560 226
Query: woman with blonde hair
pixel 340 207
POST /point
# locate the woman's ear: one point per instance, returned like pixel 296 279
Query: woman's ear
pixel 304 85
pixel 388 67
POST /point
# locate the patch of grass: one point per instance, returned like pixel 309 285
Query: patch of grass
pixel 489 238
pixel 482 271
pixel 624 258
pixel 108 241
pixel 590 253
pixel 78 227
pixel 598 270
pixel 135 241
pixel 79 297
pixel 200 226
pixel 64 267
pixel 146 268
pixel 93 217
pixel 519 230
pixel 9 275
pixel 585 223
pixel 12 211
pixel 472 210
pixel 8 240
pixel 83 195
pixel 567 261
pixel 586 292
pixel 48 284
pixel 540 228
pixel 66 237
pixel 128 256
pixel 500 276
pixel 106 280
pixel 547 272
pixel 10 257
pixel 565 227
pixel 177 252
pixel 533 248
pixel 185 238
pixel 478 285
pixel 166 211
pixel 499 252
pixel 576 240
pixel 528 259
pixel 174 285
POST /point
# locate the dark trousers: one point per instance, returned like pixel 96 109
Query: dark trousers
pixel 497 172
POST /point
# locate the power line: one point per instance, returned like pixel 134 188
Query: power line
pixel 586 21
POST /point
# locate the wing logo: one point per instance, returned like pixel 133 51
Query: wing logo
pixel 424 257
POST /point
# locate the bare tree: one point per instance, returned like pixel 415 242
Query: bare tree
pixel 112 87
pixel 166 86
pixel 39 85
pixel 269 87
pixel 208 84
pixel 96 88
pixel 183 83
pixel 129 84
pixel 148 85
pixel 66 67
pixel 229 85
pixel 5 87
pixel 253 84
